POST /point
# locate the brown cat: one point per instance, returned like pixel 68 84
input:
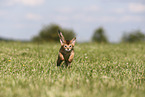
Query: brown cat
pixel 66 52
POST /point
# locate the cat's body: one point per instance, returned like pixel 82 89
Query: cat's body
pixel 66 52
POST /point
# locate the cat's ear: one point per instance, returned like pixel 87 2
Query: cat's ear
pixel 62 40
pixel 73 41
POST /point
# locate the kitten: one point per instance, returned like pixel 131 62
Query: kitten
pixel 66 52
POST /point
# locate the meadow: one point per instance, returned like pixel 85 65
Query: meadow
pixel 98 70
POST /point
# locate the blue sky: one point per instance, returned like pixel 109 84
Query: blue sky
pixel 22 19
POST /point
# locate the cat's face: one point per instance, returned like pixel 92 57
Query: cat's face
pixel 66 44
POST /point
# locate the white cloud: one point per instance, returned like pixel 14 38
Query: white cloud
pixel 31 2
pixel 68 10
pixel 65 10
pixel 32 16
pixel 132 19
pixel 62 18
pixel 122 19
pixel 119 10
pixel 92 8
pixel 23 2
pixel 2 12
pixel 108 19
pixel 131 8
pixel 136 7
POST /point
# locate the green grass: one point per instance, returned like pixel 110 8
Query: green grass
pixel 98 70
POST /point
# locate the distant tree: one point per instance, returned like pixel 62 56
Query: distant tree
pixel 50 34
pixel 5 39
pixel 1 39
pixel 134 36
pixel 99 36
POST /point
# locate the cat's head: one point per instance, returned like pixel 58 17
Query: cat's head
pixel 66 44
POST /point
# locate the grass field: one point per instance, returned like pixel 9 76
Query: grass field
pixel 98 70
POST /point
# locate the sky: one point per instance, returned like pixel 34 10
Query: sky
pixel 23 19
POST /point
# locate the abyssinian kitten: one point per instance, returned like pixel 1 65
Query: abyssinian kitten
pixel 66 52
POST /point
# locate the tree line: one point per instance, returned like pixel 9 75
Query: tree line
pixel 49 34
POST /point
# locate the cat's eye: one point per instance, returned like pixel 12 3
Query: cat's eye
pixel 70 46
pixel 65 46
